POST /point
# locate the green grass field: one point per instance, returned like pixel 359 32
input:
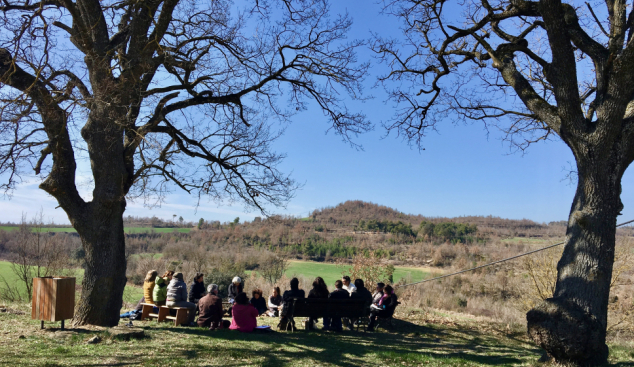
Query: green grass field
pixel 417 338
pixel 127 229
pixel 130 294
pixel 332 272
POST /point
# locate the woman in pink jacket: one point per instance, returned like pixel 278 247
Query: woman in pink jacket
pixel 244 315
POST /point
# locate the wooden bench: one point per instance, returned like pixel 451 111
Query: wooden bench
pixel 147 312
pixel 353 308
pixel 180 318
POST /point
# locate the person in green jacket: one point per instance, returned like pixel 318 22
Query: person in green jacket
pixel 160 288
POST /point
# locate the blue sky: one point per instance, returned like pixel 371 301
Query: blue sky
pixel 464 170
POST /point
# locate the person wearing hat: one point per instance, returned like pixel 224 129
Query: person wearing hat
pixel 376 297
pixel 236 287
pixel 177 297
pixel 210 310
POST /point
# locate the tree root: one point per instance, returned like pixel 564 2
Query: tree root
pixel 568 333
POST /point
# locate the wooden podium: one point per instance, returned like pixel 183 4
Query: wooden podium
pixel 53 299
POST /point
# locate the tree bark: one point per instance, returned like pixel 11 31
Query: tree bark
pixel 100 225
pixel 103 240
pixel 571 326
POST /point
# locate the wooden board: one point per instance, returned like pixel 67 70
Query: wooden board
pixel 65 299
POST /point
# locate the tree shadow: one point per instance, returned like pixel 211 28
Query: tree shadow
pixel 407 341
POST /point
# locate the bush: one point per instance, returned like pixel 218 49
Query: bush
pixel 223 274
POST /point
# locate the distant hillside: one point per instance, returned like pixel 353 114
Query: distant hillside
pixel 353 211
pixel 350 213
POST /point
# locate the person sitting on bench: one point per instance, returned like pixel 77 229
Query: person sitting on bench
pixel 210 310
pixel 361 293
pixel 196 289
pixel 347 285
pixel 160 288
pixel 275 303
pixel 320 290
pixel 258 302
pixel 288 296
pixel 148 286
pixel 376 297
pixel 234 289
pixel 177 297
pixel 385 308
pixel 338 293
pixel 244 315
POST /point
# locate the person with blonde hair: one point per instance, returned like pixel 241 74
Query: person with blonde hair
pixel 148 286
pixel 160 288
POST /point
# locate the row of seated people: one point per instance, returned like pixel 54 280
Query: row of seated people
pixel 171 290
pixel 156 289
pixel 382 302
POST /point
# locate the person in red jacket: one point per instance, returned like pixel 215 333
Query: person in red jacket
pixel 244 314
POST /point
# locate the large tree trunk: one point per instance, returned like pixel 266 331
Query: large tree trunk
pixel 100 226
pixel 105 275
pixel 571 326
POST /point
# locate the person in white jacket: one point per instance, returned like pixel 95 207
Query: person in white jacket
pixel 347 285
pixel 275 303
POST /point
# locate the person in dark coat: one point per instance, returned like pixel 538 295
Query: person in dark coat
pixel 210 310
pixel 258 302
pixel 386 307
pixel 338 293
pixel 287 298
pixel 234 289
pixel 320 290
pixel 361 293
pixel 196 289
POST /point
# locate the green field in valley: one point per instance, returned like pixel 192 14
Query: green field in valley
pixel 127 229
pixel 332 272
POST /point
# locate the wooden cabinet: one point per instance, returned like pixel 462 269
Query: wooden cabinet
pixel 53 299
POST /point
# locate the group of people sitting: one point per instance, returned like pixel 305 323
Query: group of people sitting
pixel 170 290
pixel 382 302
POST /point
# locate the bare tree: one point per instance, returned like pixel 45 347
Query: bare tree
pixel 157 92
pixel 37 254
pixel 272 268
pixel 537 70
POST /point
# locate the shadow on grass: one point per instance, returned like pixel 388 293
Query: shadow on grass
pixel 409 343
